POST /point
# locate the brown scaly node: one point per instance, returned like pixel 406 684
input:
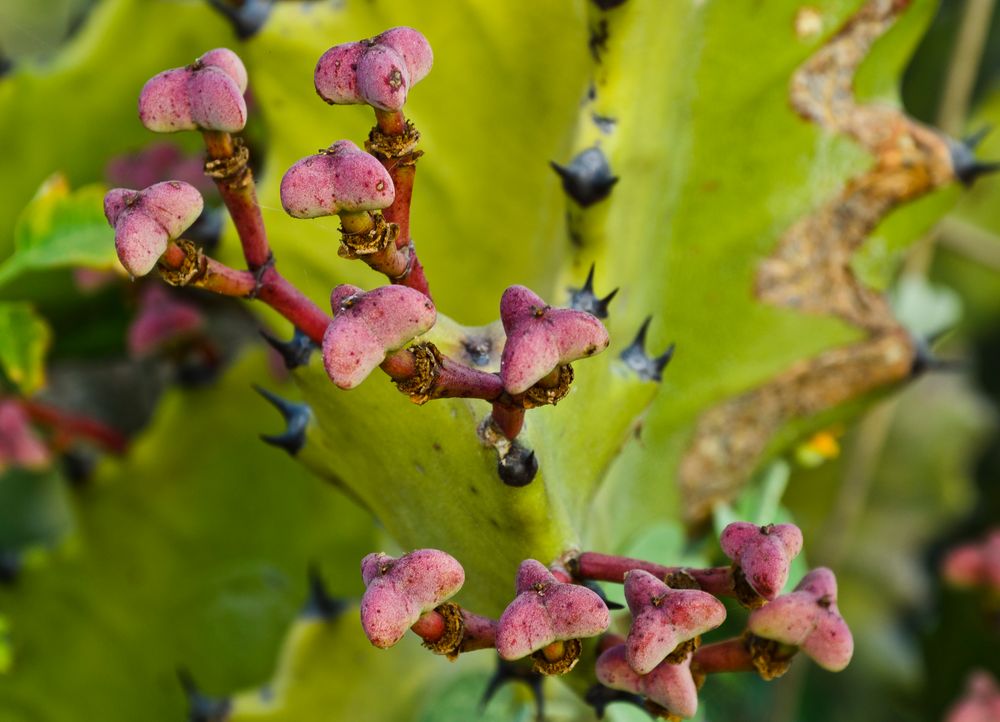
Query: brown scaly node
pixel 572 649
pixel 547 392
pixel 191 269
pixel 746 595
pixel 378 238
pixel 771 659
pixel 233 170
pixel 682 650
pixel 400 148
pixel 427 364
pixel 450 642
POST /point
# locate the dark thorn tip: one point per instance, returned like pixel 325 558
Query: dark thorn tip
pixel 507 672
pixel 973 140
pixel 588 178
pixel 10 566
pixel 295 352
pixel 635 357
pixel 584 298
pixel 966 166
pixel 596 588
pixel 248 18
pixel 202 708
pixel 321 604
pixel 599 697
pixel 518 466
pixel 296 421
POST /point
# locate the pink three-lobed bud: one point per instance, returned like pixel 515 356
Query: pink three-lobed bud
pixel 669 685
pixel 19 444
pixel 341 179
pixel 808 618
pixel 367 326
pixel 379 71
pixel 663 618
pixel 399 591
pixel 546 611
pixel 763 553
pixel 146 221
pixel 981 701
pixel 163 322
pixel 541 338
pixel 206 95
pixel 975 564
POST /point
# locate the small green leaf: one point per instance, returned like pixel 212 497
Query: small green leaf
pixel 61 229
pixel 24 340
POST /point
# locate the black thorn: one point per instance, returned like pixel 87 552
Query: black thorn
pixel 6 65
pixel 972 141
pixel 608 4
pixel 604 123
pixel 518 466
pixel 321 603
pixel 599 697
pixel 202 708
pixel 296 417
pixel 584 299
pixel 588 178
pixel 247 18
pixel 207 229
pixel 295 352
pixel 478 350
pixel 78 465
pixel 966 166
pixel 924 361
pixel 596 588
pixel 507 672
pixel 635 357
pixel 10 566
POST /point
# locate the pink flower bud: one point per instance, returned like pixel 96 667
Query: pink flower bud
pixel 975 564
pixel 367 326
pixel 541 338
pixel 163 322
pixel 145 221
pixel 341 179
pixel 398 591
pixel 981 701
pixel 669 685
pixel 207 94
pixel 663 618
pixel 763 553
pixel 546 611
pixel 383 78
pixel 414 49
pixel 19 444
pixel 336 75
pixel 808 618
pixel 379 71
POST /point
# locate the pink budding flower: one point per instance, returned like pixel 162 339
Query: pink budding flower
pixel 981 701
pixel 340 180
pixel 368 326
pixel 763 553
pixel 808 618
pixel 664 619
pixel 547 611
pixel 206 95
pixel 975 564
pixel 20 446
pixel 671 686
pixel 399 591
pixel 146 221
pixel 164 322
pixel 378 71
pixel 541 339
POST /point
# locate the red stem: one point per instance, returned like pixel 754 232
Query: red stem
pixel 240 196
pixel 454 380
pixel 509 419
pixel 609 568
pixel 730 655
pixel 480 632
pixel 75 426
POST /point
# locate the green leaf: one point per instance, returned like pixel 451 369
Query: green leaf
pixel 61 229
pixel 24 340
pixel 191 551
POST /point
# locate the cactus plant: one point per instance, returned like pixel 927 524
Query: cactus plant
pixel 478 468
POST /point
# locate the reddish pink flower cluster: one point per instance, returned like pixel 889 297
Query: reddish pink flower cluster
pixel 976 564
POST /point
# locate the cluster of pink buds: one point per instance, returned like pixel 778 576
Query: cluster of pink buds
pixel 661 660
pixel 975 564
pixel 981 701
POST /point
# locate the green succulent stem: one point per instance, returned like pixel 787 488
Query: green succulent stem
pixel 594 566
pixel 227 165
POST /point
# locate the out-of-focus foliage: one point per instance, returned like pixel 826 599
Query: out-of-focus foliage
pixel 192 550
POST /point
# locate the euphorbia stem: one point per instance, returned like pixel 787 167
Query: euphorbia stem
pixel 403 171
pixel 609 568
pixel 479 632
pixel 234 179
pixel 72 426
pixel 730 655
pixel 269 286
